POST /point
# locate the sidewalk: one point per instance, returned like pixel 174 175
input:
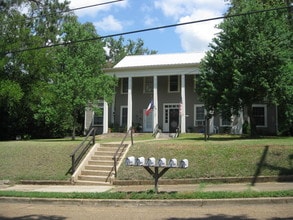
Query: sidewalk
pixel 234 187
pixel 55 188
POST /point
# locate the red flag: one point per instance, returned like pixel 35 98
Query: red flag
pixel 149 108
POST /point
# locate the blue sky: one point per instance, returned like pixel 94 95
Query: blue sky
pixel 130 15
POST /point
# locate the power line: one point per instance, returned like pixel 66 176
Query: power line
pixel 95 5
pixel 75 9
pixel 150 29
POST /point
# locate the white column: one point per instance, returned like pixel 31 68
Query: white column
pixel 156 109
pixel 113 113
pixel 183 113
pixel 129 103
pixel 105 117
pixel 88 119
pixel 211 125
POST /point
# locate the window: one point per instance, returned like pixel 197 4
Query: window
pixel 98 120
pixel 94 114
pixel 225 121
pixel 148 121
pixel 124 85
pixel 173 83
pixel 199 115
pixel 123 117
pixel 148 85
pixel 259 113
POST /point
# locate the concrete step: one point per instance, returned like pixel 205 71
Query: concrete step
pixel 98 168
pixel 102 157
pixel 113 147
pixel 110 145
pixel 104 153
pixel 107 149
pixel 92 178
pixel 103 163
pixel 92 183
pixel 95 172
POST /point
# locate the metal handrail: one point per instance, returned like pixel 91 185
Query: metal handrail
pixel 116 157
pixel 75 159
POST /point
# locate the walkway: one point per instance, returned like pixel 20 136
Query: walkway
pixel 234 187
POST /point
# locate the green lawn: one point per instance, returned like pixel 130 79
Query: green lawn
pixel 221 156
pixel 149 195
pixel 36 159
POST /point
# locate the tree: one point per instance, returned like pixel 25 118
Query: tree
pixel 48 17
pixel 118 49
pixel 44 91
pixel 26 71
pixel 249 61
pixel 78 78
pixel 10 90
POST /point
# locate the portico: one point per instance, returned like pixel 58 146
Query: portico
pixel 157 78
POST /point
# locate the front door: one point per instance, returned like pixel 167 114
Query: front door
pixel 173 120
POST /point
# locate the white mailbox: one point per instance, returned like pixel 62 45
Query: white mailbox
pixel 130 161
pixel 183 163
pixel 151 161
pixel 140 161
pixel 173 162
pixel 162 162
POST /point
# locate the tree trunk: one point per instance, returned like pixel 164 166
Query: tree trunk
pixel 73 130
pixel 73 133
pixel 253 131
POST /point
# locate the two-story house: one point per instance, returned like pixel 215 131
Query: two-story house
pixel 166 83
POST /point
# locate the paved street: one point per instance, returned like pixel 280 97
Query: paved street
pixel 257 208
pixel 58 212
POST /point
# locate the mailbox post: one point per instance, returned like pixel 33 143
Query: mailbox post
pixel 140 161
pixel 156 174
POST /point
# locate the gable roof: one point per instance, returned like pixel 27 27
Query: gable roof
pixel 159 60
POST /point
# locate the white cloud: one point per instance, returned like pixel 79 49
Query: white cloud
pixel 174 8
pixel 93 11
pixel 109 23
pixel 179 8
pixel 146 8
pixel 150 21
pixel 195 37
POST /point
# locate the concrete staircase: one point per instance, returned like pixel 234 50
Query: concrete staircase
pixel 98 167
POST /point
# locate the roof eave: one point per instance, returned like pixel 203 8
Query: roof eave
pixel 117 69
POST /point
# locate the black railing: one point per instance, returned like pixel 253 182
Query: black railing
pixel 120 149
pixel 81 149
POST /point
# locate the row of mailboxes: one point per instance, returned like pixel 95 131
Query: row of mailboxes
pixel 162 162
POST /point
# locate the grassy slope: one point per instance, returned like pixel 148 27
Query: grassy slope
pixel 220 156
pixel 35 159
